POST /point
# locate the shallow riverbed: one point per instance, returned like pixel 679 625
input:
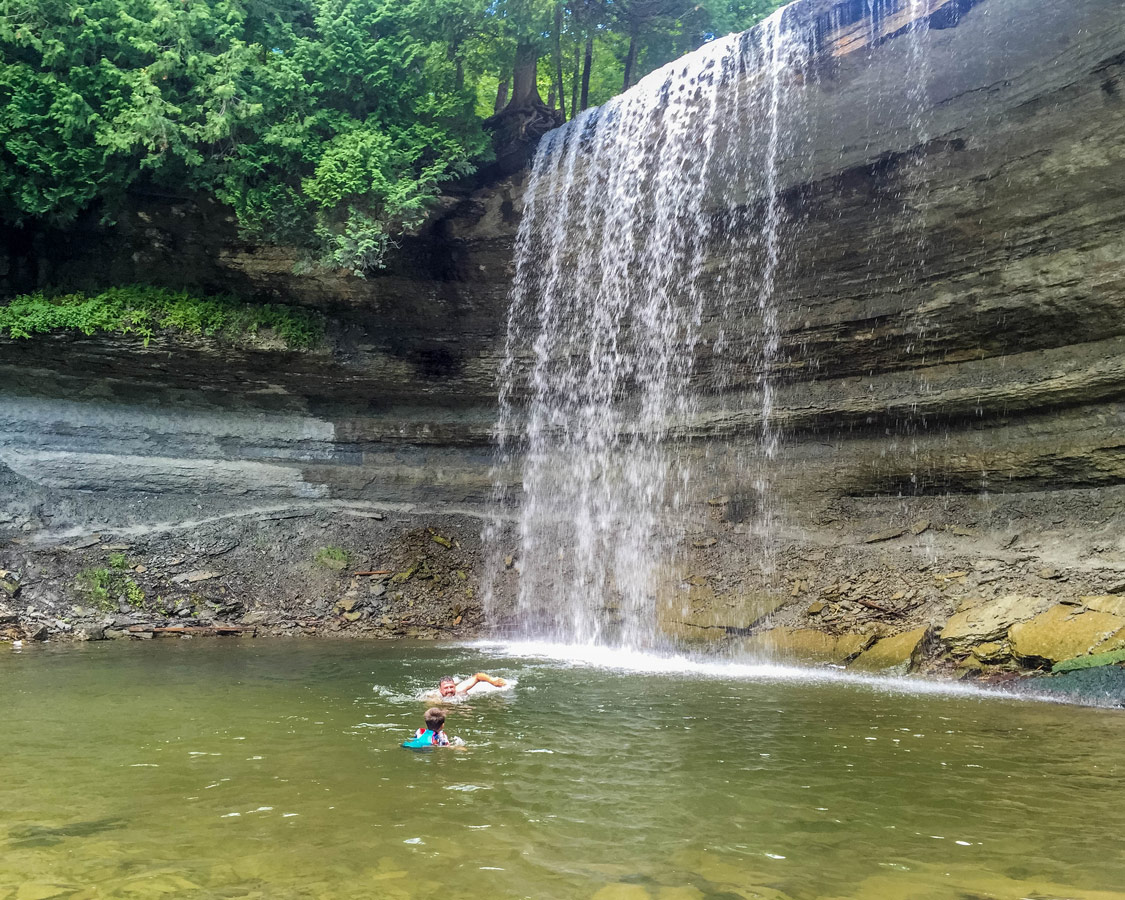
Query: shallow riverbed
pixel 271 769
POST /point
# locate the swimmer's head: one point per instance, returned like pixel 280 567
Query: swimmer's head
pixel 447 686
pixel 435 718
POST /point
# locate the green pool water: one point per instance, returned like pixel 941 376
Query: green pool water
pixel 271 769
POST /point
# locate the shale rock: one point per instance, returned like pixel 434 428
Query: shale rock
pixel 348 604
pixel 195 576
pixel 1063 632
pixel 1107 603
pixel 895 655
pixel 808 645
pixel 9 583
pixel 993 652
pixel 988 621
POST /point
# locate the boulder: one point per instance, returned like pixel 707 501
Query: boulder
pixel 808 645
pixel 349 603
pixel 895 655
pixel 700 613
pixel 989 621
pixel 1114 604
pixel 1063 632
pixel 9 583
pixel 992 652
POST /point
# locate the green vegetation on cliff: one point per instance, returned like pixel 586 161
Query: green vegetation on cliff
pixel 144 311
pixel 327 125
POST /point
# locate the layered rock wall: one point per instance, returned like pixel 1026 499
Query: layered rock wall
pixel 951 297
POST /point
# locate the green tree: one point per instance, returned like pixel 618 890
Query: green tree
pixel 329 125
pixel 325 123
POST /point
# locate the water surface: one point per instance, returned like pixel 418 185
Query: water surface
pixel 271 769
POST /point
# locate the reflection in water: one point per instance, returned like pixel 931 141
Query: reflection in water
pixel 177 770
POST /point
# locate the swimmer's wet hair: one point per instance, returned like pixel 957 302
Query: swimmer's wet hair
pixel 445 678
pixel 435 718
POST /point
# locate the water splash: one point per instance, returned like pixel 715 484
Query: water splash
pixel 685 666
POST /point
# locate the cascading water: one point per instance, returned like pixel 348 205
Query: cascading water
pixel 618 342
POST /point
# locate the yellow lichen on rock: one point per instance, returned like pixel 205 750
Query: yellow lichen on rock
pixel 808 645
pixel 1063 632
pixel 989 621
pixel 892 655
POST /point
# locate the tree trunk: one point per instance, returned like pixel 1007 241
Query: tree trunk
pixel 525 89
pixel 630 61
pixel 587 65
pixel 501 95
pixel 560 84
pixel 574 82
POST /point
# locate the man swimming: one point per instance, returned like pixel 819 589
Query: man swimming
pixel 448 686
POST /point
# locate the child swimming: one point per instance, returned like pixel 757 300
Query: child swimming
pixel 433 734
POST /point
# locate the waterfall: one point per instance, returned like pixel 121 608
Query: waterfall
pixel 619 341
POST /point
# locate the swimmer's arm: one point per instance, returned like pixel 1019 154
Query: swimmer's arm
pixel 469 683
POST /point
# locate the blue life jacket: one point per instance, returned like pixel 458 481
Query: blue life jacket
pixel 424 741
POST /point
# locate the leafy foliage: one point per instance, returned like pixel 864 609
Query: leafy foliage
pixel 333 557
pixel 329 125
pixel 143 311
pixel 105 588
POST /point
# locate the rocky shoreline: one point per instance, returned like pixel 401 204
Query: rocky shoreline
pixel 941 593
pixel 350 571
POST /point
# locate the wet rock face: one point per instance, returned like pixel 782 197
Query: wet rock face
pixel 950 305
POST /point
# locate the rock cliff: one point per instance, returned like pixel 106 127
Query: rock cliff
pixel 950 375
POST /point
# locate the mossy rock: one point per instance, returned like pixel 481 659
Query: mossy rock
pixel 1104 685
pixel 1092 661
pixel 1114 604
